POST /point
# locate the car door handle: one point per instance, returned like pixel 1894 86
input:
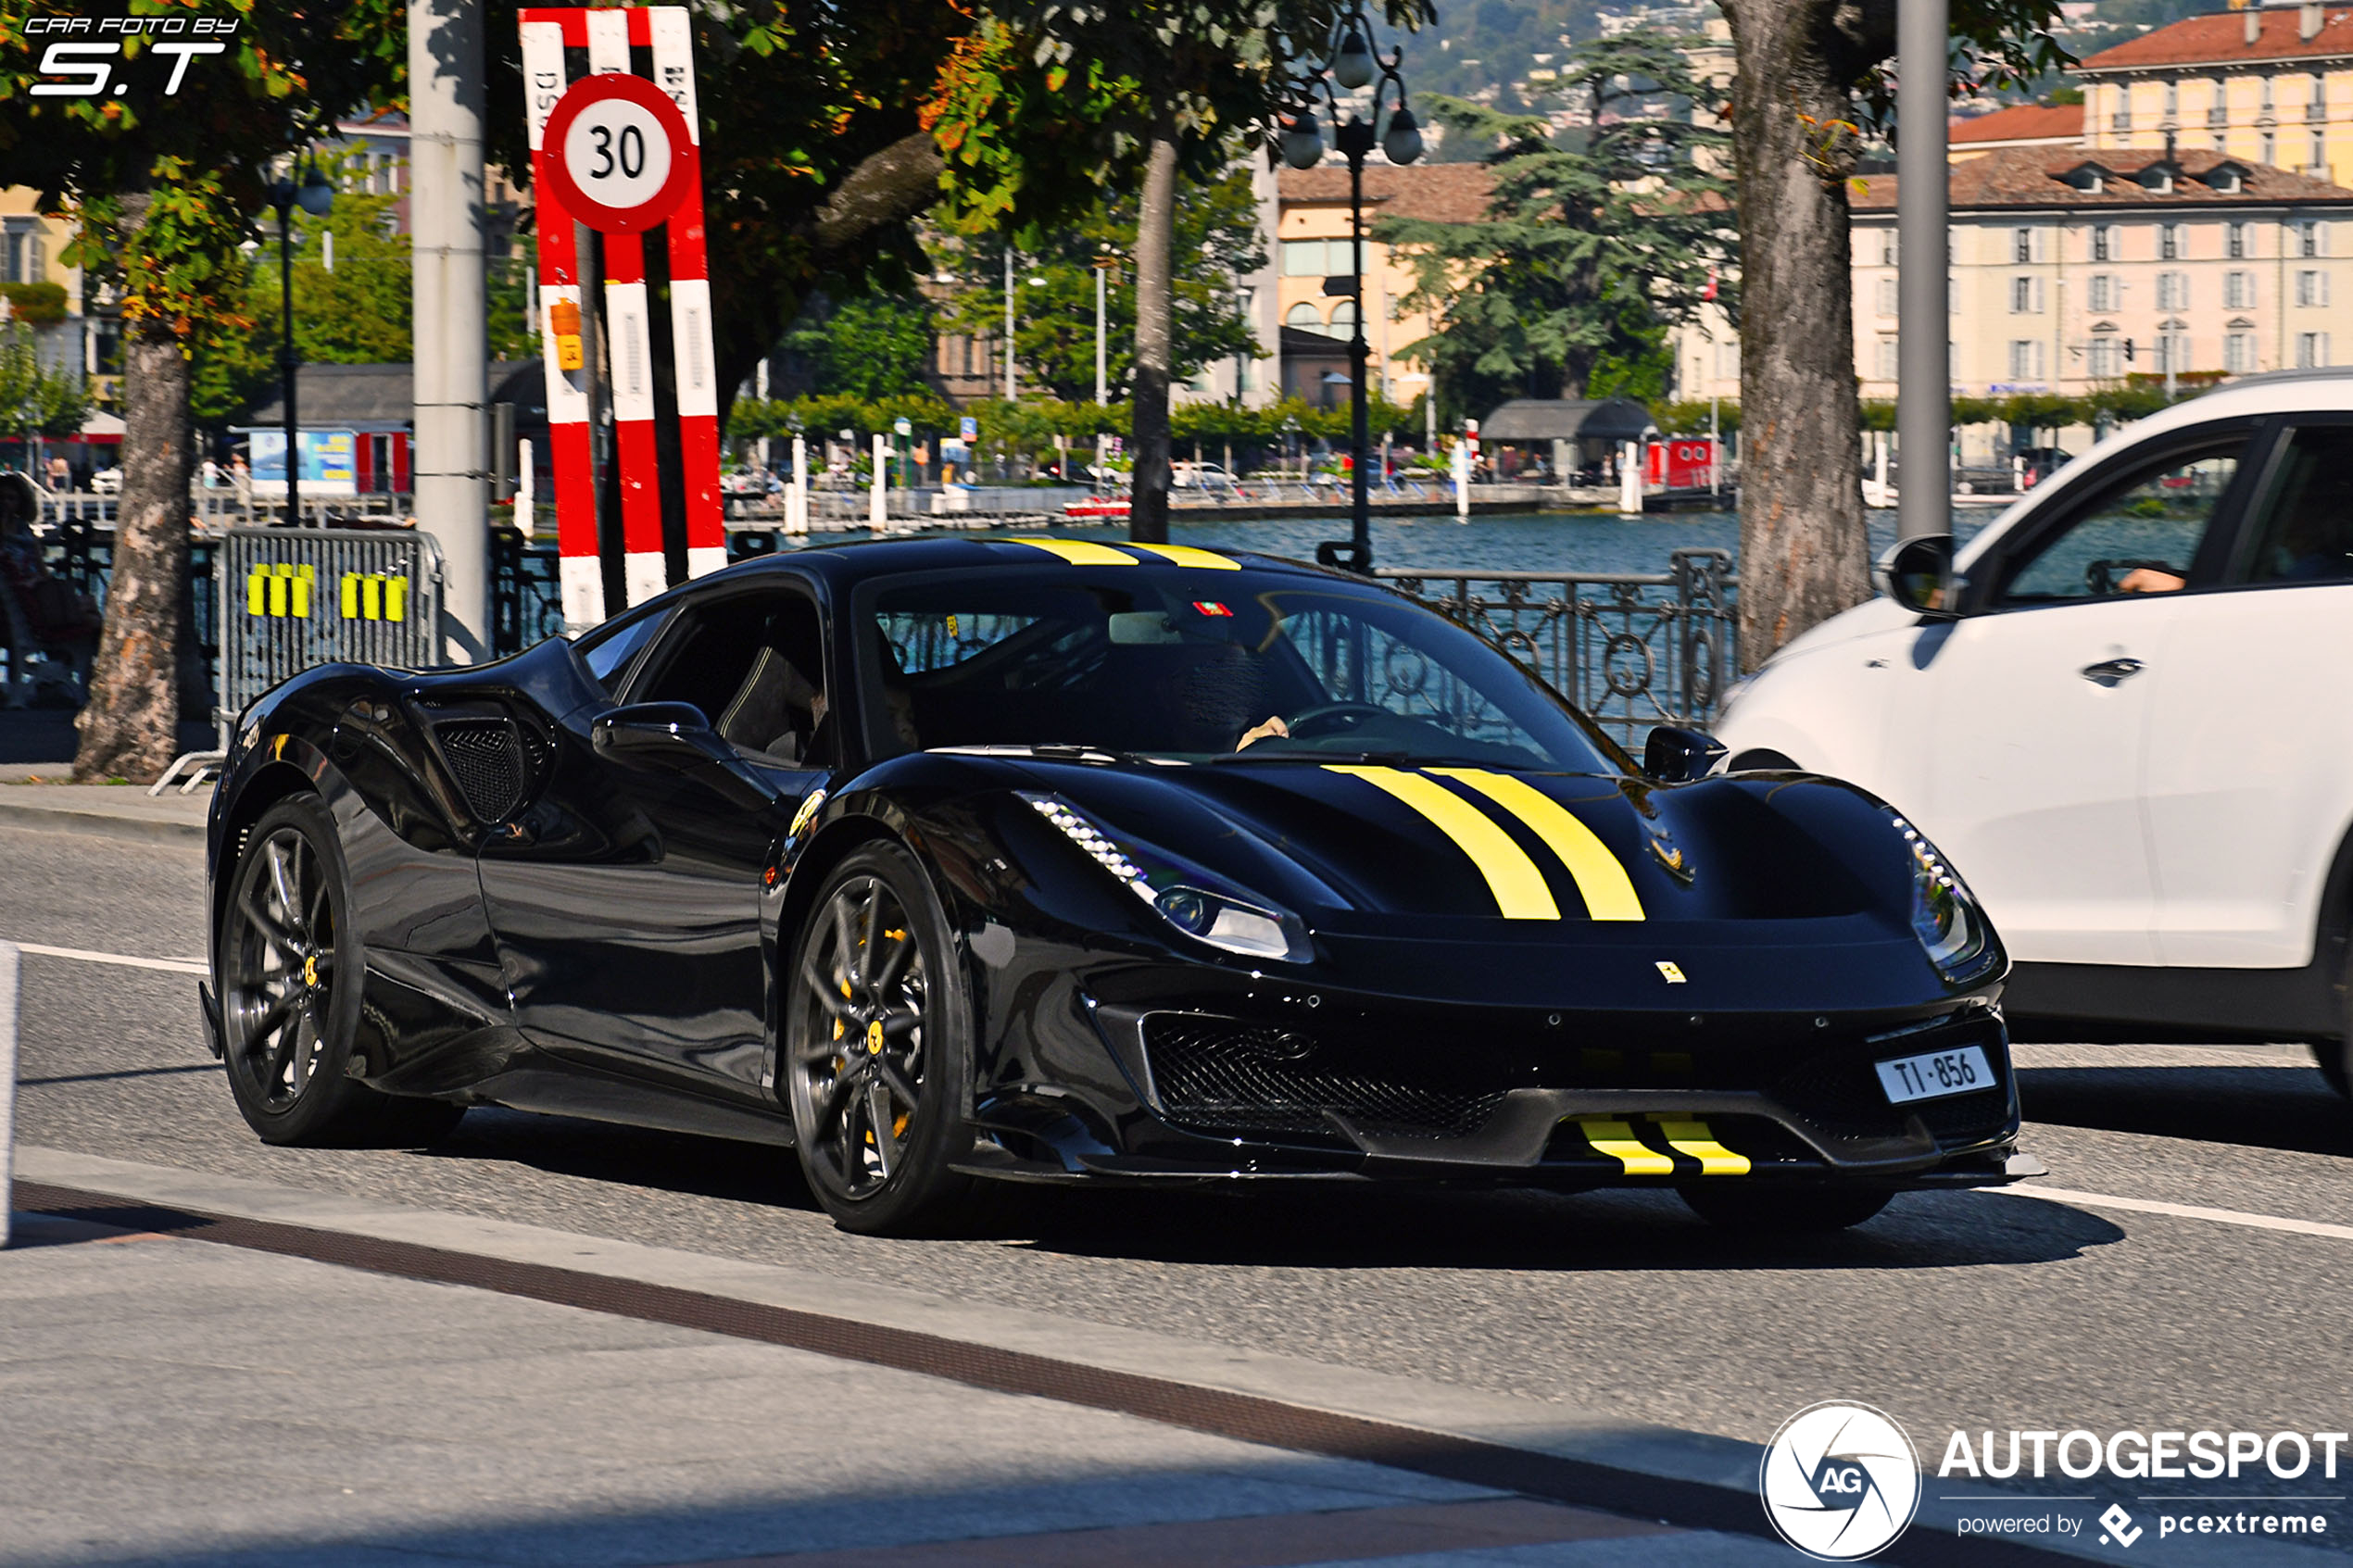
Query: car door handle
pixel 2113 672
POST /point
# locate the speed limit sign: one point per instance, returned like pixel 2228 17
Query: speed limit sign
pixel 619 153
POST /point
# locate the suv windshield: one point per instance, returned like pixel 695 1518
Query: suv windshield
pixel 1200 666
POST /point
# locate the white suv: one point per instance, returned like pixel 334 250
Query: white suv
pixel 2116 717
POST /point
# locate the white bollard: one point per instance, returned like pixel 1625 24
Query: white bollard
pixel 796 498
pixel 525 500
pixel 8 1085
pixel 1629 481
pixel 878 514
pixel 1462 464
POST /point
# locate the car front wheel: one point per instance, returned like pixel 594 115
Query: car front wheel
pixel 878 1049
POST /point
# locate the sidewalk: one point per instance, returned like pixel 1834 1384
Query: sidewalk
pixel 36 752
pixel 171 1397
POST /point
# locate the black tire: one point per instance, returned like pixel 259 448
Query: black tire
pixel 1786 1210
pixel 878 1050
pixel 288 965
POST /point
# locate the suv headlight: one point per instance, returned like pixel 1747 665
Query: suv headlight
pixel 1945 916
pixel 1185 896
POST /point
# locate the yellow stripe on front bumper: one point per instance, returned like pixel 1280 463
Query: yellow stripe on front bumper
pixel 1616 1139
pixel 1694 1139
pixel 1603 882
pixel 1186 554
pixel 1079 552
pixel 1511 876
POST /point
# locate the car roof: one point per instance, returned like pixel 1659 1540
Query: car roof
pixel 843 564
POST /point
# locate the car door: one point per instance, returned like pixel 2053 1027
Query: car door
pixel 626 903
pixel 2039 707
pixel 2249 777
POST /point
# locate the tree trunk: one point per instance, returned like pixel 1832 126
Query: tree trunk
pixel 1804 555
pixel 1155 307
pixel 129 728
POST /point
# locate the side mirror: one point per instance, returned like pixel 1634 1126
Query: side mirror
pixel 658 735
pixel 1674 754
pixel 1917 574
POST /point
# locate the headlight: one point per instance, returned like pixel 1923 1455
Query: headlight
pixel 1945 917
pixel 1183 896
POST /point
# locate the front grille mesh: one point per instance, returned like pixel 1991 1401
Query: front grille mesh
pixel 1220 1076
pixel 1840 1093
pixel 486 758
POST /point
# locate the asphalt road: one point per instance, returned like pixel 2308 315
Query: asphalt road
pixel 1950 1310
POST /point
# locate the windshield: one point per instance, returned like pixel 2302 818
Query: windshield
pixel 1200 666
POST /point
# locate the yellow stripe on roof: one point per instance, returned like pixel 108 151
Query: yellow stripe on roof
pixel 1186 554
pixel 1607 891
pixel 1079 552
pixel 1511 876
pixel 1694 1139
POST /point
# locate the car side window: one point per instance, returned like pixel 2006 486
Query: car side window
pixel 2139 534
pixel 611 650
pixel 754 663
pixel 2302 529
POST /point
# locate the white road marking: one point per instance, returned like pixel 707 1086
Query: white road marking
pixel 82 955
pixel 2184 1211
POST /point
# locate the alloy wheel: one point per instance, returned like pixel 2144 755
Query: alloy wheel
pixel 859 1067
pixel 281 987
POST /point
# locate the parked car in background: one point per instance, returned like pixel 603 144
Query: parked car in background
pixel 1200 476
pixel 107 481
pixel 2121 712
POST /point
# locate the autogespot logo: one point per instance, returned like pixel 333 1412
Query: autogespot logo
pixel 1840 1481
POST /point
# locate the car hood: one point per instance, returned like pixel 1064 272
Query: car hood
pixel 1380 850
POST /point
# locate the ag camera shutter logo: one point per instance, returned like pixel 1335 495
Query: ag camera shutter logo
pixel 1840 1481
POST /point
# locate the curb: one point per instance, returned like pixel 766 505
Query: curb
pixel 100 824
pixel 1584 1459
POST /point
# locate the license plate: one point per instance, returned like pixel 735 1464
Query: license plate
pixel 1936 1074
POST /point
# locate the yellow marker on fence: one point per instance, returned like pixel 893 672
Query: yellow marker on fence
pixel 373 595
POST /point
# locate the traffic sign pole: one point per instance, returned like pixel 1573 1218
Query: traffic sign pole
pixel 581 569
pixel 691 333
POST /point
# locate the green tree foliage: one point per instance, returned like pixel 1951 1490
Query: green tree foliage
pixel 1217 240
pixel 866 349
pixel 35 399
pixel 1590 247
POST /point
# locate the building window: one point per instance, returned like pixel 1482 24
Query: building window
pixel 2311 287
pixel 2267 94
pixel 2172 99
pixel 2103 292
pixel 2026 296
pixel 2170 241
pixel 2238 353
pixel 2312 350
pixel 2238 290
pixel 2172 353
pixel 2026 359
pixel 1305 314
pixel 2022 245
pixel 1887 248
pixel 1887 291
pixel 2107 243
pixel 2311 238
pixel 2320 149
pixel 2319 98
pixel 1889 359
pixel 2268 148
pixel 2234 238
pixel 1318 258
pixel 2103 358
pixel 20 258
pixel 1344 319
pixel 1728 361
pixel 2173 290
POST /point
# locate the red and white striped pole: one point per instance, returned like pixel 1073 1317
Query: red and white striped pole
pixel 608 36
pixel 691 336
pixel 581 569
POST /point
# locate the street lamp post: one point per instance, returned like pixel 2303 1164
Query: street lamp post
pixel 314 195
pixel 1352 64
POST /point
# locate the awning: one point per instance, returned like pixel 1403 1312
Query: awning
pixel 1554 419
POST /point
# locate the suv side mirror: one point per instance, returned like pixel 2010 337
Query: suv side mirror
pixel 1675 755
pixel 1917 574
pixel 658 735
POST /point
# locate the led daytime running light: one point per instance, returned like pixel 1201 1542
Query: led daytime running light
pixel 1106 853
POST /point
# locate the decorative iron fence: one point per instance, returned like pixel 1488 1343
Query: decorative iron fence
pixel 1632 649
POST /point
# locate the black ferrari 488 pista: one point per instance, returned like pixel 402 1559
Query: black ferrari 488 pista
pixel 949 860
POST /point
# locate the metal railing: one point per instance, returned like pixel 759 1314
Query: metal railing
pixel 1631 649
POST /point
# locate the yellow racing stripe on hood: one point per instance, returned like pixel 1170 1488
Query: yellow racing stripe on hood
pixel 1186 554
pixel 1608 892
pixel 1511 876
pixel 1079 552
